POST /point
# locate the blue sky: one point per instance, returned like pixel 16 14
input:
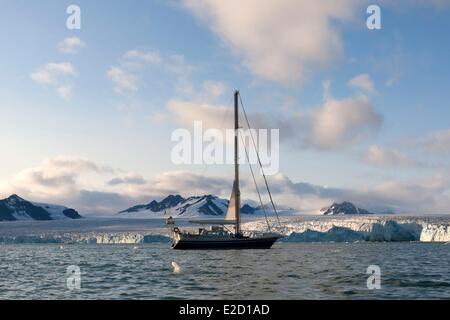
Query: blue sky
pixel 106 114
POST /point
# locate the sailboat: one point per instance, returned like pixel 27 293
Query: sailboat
pixel 226 233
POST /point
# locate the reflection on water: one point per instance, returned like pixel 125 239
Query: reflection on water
pixel 288 271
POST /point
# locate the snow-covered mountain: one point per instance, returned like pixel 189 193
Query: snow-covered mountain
pixel 207 205
pixel 344 208
pixel 176 205
pixel 15 208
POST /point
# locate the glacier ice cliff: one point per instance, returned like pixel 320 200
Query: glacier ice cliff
pixel 362 228
pixel 435 233
pixel 100 238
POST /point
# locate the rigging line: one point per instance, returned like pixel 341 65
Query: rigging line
pixel 256 185
pixel 259 161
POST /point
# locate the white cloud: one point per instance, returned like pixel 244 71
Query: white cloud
pixel 214 89
pixel 43 76
pixel 424 196
pixel 201 106
pixel 391 81
pixel 65 68
pixel 56 75
pixel 339 123
pixel 158 117
pixel 122 79
pixel 177 64
pixel 211 115
pixel 54 176
pixel 52 72
pixel 145 56
pixel 134 63
pixel 130 178
pixel 70 45
pixel 437 142
pixel 379 156
pixel 363 82
pixel 278 40
pixel 65 91
pixel 66 180
pixel 185 183
pixel 326 85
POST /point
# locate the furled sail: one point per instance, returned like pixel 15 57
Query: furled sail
pixel 231 212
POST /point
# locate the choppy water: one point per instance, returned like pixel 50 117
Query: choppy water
pixel 288 271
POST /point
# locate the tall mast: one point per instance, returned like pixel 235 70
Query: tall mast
pixel 236 162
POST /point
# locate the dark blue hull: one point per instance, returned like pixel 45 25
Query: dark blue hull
pixel 243 243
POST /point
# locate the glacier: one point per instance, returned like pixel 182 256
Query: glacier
pixel 360 228
pixel 76 238
pixel 294 228
pixel 85 231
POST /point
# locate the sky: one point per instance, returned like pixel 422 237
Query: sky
pixel 86 116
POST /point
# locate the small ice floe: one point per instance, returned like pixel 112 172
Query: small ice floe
pixel 176 267
pixel 135 247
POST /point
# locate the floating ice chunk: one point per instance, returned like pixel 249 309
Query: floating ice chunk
pixel 176 267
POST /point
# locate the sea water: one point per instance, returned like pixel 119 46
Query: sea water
pixel 287 271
